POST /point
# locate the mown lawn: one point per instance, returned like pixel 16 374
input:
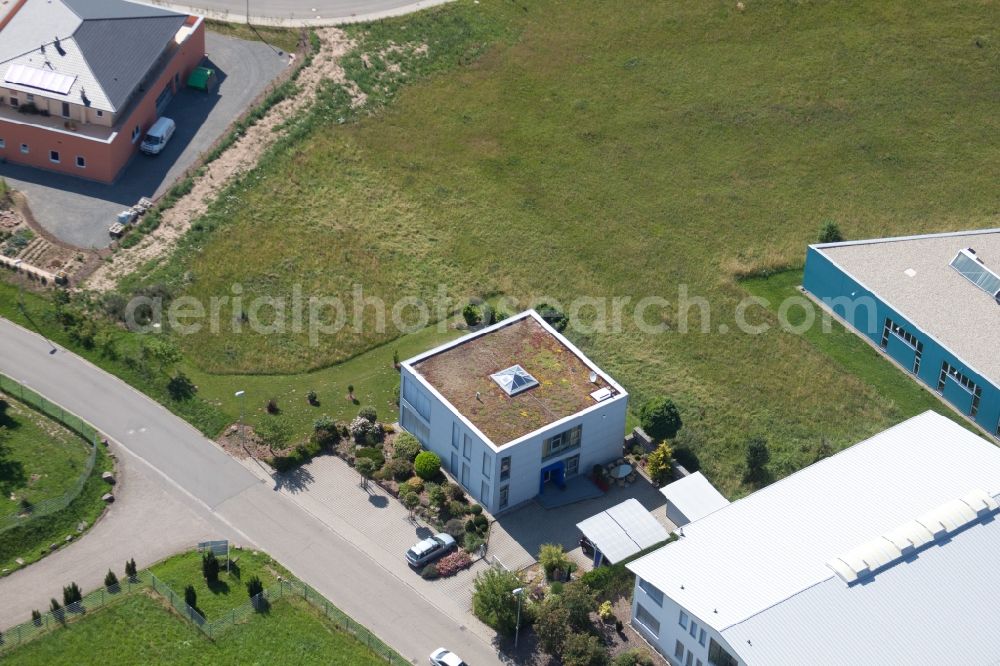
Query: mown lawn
pixel 230 591
pixel 39 458
pixel 562 150
pixel 141 629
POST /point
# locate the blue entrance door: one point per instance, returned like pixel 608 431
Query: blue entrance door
pixel 556 473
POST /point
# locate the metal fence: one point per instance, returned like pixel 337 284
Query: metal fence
pixel 53 620
pixel 71 421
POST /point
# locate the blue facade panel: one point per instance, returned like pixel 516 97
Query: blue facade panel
pixel 868 314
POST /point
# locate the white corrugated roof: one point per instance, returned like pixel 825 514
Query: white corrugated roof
pixel 772 545
pixel 623 530
pixel 694 496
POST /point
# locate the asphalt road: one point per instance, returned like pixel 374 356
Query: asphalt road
pixel 193 470
pixel 298 12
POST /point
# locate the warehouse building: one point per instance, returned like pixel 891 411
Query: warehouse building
pixel 931 303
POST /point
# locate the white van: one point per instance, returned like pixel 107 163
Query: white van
pixel 157 136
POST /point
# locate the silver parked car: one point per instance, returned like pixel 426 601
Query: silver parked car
pixel 430 549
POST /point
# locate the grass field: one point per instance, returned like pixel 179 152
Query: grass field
pixel 567 150
pixel 40 459
pixel 214 600
pixel 141 629
pixel 285 39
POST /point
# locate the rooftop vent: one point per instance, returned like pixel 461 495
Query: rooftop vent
pixel 867 558
pixel 514 379
pixel 975 271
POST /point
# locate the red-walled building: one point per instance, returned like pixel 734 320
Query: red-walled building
pixel 82 80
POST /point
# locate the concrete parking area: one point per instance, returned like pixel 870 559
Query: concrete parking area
pixel 79 212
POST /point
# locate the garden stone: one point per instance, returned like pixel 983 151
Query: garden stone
pixel 53 546
pixel 69 537
pixel 108 477
pixel 108 498
pixel 19 561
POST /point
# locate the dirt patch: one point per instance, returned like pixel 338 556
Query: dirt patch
pixel 21 237
pixel 237 159
pixel 242 442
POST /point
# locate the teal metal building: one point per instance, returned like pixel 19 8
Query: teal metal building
pixel 931 303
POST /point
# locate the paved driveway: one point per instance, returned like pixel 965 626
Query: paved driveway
pixel 327 555
pixel 79 212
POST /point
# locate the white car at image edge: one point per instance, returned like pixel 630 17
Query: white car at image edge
pixel 443 657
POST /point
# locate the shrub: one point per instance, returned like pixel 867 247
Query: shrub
pixel 373 454
pixel 36 618
pixel 580 602
pixel 430 572
pixel 493 600
pixel 364 431
pixel 472 542
pixel 472 314
pixel 555 587
pixel 451 564
pixel 457 509
pixel 830 233
pixel 57 609
pixel 368 413
pixel 210 567
pixel 272 406
pixel 552 557
pixel 482 522
pixel 475 509
pixel 190 596
pixel 635 657
pixel 72 594
pixel 660 418
pixel 312 398
pixel 551 626
pixel 436 496
pixel 553 317
pixel 608 582
pixel 455 528
pixel 606 612
pixel 427 465
pixel 405 446
pixel 398 469
pixel 254 587
pixel 274 432
pixel 110 579
pixel 130 569
pixel 325 432
pixel 180 387
pixel 455 492
pixel 410 500
pixel 416 484
pixel 660 462
pixel 758 456
pixel 583 650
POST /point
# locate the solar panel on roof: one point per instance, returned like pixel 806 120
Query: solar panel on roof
pixel 43 79
pixel 973 270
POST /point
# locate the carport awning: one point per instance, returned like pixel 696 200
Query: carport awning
pixel 694 496
pixel 623 530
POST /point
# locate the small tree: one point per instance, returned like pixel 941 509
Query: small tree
pixel 552 557
pixel 254 587
pixel 551 626
pixel 494 602
pixel 580 602
pixel 130 569
pixel 660 418
pixel 325 432
pixel 57 610
pixel 312 398
pixel 210 567
pixel 366 468
pixel 472 314
pixel 36 618
pixel 830 233
pixel 659 463
pixel 72 594
pixel 427 465
pixel 274 432
pixel 758 456
pixel 368 413
pixel 350 392
pixel 110 579
pixel 584 650
pixel 180 387
pixel 405 446
pixel 190 596
pixel 411 501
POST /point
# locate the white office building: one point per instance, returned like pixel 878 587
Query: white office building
pixel 514 410
pixel 881 554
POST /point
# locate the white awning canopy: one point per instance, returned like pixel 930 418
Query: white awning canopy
pixel 623 530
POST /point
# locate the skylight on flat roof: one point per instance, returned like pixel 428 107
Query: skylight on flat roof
pixel 975 271
pixel 514 379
